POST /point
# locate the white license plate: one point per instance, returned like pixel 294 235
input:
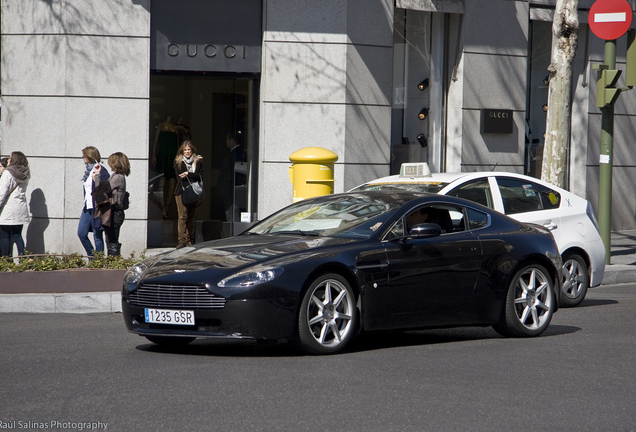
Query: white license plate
pixel 167 316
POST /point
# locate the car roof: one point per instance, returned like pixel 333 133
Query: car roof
pixel 399 196
pixel 451 177
pixel 433 178
pixel 403 196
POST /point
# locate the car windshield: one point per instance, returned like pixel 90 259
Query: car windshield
pixel 430 187
pixel 355 216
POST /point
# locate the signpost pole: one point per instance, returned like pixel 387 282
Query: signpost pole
pixel 609 20
pixel 606 160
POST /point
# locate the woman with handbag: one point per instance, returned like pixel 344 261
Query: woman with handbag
pixel 188 166
pixel 14 211
pixel 120 166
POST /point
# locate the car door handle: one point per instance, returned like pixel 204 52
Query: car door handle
pixel 551 226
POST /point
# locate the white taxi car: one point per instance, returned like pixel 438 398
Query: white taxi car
pixel 569 217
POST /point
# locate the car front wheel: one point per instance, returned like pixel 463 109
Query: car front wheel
pixel 327 315
pixel 529 303
pixel 576 280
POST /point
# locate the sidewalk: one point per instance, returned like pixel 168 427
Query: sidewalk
pixel 623 259
pixel 621 270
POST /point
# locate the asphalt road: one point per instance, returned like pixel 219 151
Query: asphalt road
pixel 62 371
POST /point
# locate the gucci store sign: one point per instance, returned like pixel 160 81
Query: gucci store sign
pixel 496 121
pixel 206 35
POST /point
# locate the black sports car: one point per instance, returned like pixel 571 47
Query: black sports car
pixel 321 270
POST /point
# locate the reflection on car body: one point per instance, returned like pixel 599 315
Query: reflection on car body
pixel 324 269
pixel 569 217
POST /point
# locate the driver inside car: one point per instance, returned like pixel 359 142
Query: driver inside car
pixel 418 216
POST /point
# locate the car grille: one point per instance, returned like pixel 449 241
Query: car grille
pixel 175 296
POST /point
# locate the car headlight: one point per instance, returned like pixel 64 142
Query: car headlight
pixel 135 273
pixel 251 277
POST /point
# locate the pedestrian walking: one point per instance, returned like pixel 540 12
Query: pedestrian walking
pixel 14 210
pixel 89 223
pixel 120 168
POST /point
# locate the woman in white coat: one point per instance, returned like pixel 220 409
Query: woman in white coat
pixel 14 211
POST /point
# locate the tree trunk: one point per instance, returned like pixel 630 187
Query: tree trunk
pixel 565 30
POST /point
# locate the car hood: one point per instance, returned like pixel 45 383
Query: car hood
pixel 235 253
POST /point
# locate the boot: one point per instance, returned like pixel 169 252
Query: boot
pixel 114 249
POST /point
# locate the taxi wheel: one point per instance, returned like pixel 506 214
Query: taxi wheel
pixel 576 280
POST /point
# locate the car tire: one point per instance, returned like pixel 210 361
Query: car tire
pixel 328 314
pixel 170 341
pixel 529 303
pixel 576 280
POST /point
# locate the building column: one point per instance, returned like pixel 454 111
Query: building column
pixel 326 82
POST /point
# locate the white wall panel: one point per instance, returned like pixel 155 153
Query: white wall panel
pixel 34 125
pixel 33 65
pixel 305 72
pixel 109 124
pixel 107 66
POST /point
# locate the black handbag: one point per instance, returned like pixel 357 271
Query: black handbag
pixel 192 193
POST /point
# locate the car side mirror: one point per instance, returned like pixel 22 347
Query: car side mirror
pixel 425 230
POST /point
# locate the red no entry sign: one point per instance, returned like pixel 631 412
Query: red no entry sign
pixel 610 19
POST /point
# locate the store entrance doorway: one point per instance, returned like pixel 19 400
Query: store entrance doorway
pixel 218 115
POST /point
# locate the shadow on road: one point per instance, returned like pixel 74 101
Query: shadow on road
pixel 558 330
pixel 224 348
pixel 361 343
pixel 600 302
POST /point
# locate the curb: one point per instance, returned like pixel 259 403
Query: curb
pixel 619 274
pixel 90 302
pixel 105 302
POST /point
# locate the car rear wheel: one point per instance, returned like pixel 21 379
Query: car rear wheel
pixel 529 303
pixel 170 341
pixel 327 317
pixel 576 280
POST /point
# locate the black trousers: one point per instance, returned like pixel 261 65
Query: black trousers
pixel 117 220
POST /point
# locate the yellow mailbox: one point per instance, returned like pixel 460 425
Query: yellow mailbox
pixel 312 172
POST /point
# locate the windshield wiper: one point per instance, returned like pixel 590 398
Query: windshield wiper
pixel 303 233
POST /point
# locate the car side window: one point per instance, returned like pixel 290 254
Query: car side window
pixel 476 219
pixel 450 218
pixel 550 198
pixel 477 191
pixel 519 196
pixel 396 231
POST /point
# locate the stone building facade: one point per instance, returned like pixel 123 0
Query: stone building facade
pixel 276 76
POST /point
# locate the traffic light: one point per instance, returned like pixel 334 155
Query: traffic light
pixel 606 91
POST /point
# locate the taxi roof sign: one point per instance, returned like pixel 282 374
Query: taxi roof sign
pixel 415 169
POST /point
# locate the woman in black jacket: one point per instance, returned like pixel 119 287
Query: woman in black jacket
pixel 187 165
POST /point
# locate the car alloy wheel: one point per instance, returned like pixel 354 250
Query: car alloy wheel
pixel 327 316
pixel 529 303
pixel 576 280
